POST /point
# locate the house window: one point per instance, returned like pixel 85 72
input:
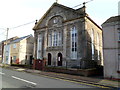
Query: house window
pixel 92 43
pixel 7 59
pixel 98 47
pixel 73 43
pixel 14 59
pixel 14 45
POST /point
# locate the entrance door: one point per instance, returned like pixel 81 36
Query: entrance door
pixel 49 58
pixel 31 60
pixel 59 59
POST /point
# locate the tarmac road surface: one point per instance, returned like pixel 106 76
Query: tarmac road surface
pixel 15 79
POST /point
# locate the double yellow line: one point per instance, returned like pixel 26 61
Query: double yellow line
pixel 79 82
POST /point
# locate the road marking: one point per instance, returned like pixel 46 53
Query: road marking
pixel 20 69
pixel 84 83
pixel 2 73
pixel 24 80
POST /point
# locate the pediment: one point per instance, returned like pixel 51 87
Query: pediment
pixel 56 14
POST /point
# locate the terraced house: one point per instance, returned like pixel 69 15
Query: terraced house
pixel 19 51
pixel 2 47
pixel 68 37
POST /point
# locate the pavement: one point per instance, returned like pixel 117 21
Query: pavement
pixel 96 81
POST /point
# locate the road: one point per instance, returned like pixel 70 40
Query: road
pixel 15 79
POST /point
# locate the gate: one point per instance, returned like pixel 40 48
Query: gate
pixel 39 64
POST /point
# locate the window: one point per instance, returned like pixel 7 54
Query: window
pixel 119 35
pixel 92 43
pixel 55 39
pixel 14 59
pixel 7 59
pixel 39 47
pixel 73 43
pixel 98 47
pixel 59 38
pixel 14 45
pixel 119 62
pixel 50 40
pixel 55 20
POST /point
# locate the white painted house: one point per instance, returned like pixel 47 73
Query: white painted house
pixel 111 47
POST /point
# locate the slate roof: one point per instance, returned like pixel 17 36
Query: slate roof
pixel 112 19
pixel 19 39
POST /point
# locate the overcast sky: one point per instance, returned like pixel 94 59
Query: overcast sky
pixel 18 12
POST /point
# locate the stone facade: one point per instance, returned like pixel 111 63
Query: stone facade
pixel 63 38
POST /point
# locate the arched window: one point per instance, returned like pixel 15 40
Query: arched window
pixel 73 43
pixel 92 43
pixel 98 47
pixel 39 46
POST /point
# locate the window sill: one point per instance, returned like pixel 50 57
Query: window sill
pixel 73 59
pixel 55 48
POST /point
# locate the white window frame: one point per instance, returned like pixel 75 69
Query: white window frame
pixel 55 20
pixel 59 38
pixel 39 46
pixel 98 46
pixel 50 40
pixel 73 43
pixel 14 46
pixel 54 39
pixel 92 43
pixel 14 59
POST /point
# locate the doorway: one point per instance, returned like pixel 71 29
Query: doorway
pixel 31 60
pixel 49 58
pixel 59 59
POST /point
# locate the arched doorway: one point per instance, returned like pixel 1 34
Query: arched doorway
pixel 59 59
pixel 49 58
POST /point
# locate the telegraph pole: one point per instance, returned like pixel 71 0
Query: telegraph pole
pixel 6 46
pixel 7 35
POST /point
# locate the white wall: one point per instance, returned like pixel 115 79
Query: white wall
pixel 110 48
pixel 22 51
